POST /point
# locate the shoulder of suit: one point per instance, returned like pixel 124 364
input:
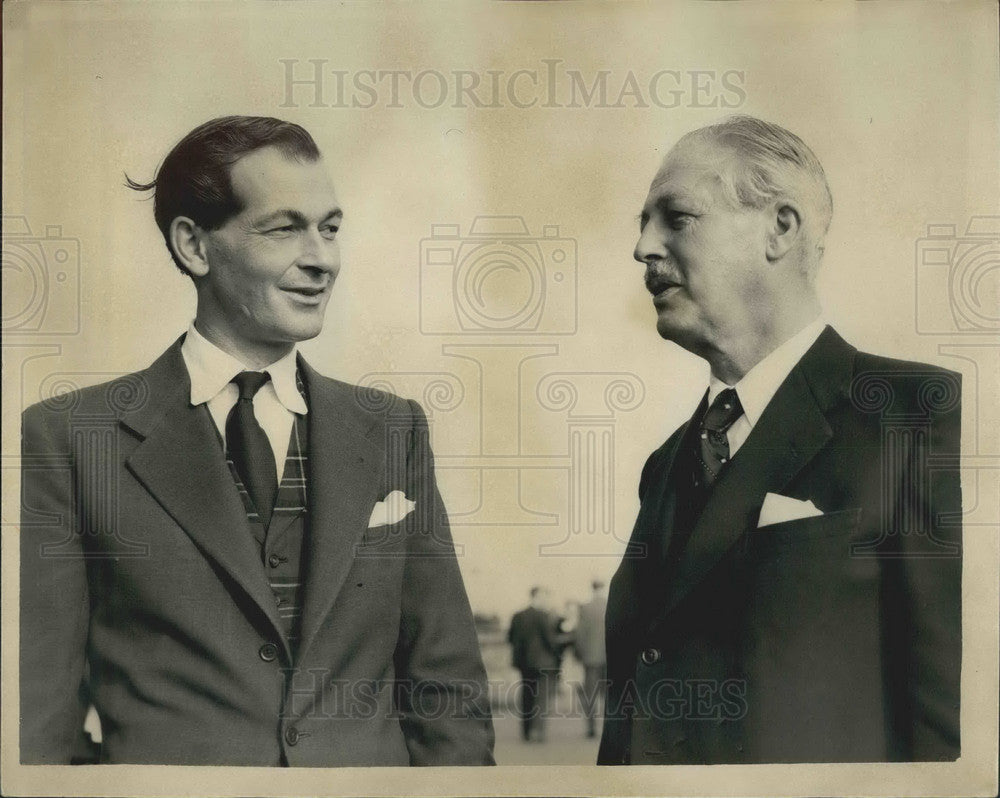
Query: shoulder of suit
pixel 867 362
pixel 366 399
pixel 898 386
pixel 110 398
pixel 902 371
pixel 119 396
pixel 839 376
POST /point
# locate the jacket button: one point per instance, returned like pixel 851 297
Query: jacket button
pixel 274 560
pixel 268 652
pixel 650 655
pixel 291 735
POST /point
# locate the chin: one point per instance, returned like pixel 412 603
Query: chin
pixel 684 336
pixel 306 334
pixel 668 328
pixel 293 334
pixel 302 329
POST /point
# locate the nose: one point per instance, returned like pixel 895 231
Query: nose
pixel 320 253
pixel 652 243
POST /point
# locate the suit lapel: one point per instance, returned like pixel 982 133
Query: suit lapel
pixel 180 462
pixel 640 580
pixel 790 432
pixel 659 507
pixel 667 513
pixel 345 472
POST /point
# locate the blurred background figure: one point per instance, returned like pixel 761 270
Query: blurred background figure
pixel 565 628
pixel 569 675
pixel 588 644
pixel 535 651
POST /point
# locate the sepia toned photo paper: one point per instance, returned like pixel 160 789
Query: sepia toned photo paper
pixel 500 398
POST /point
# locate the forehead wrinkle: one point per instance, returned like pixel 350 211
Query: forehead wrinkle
pixel 698 174
pixel 663 194
pixel 262 176
pixel 299 216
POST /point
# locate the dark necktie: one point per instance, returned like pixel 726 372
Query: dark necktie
pixel 249 447
pixel 710 453
pixel 713 450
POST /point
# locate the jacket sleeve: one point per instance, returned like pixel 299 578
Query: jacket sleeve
pixel 443 690
pixel 924 572
pixel 54 605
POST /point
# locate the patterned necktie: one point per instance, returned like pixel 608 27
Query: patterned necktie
pixel 249 446
pixel 713 451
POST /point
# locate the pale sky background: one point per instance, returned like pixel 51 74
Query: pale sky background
pixel 893 100
pixel 898 100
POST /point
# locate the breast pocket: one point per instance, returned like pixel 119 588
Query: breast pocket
pixel 384 540
pixel 804 575
pixel 841 523
pixel 801 571
pixel 810 632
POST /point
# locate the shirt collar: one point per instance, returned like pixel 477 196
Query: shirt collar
pixel 759 385
pixel 211 370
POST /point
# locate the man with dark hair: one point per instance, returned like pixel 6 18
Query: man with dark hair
pixel 195 181
pixel 535 652
pixel 792 591
pixel 235 559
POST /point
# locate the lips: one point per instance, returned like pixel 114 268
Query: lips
pixel 307 295
pixel 305 290
pixel 658 285
pixel 662 299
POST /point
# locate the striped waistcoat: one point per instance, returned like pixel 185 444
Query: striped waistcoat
pixel 280 546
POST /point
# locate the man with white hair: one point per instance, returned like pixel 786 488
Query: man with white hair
pixel 799 594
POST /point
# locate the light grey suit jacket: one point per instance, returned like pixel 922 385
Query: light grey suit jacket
pixel 142 590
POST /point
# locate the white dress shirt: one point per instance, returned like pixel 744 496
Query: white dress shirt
pixel 275 404
pixel 759 385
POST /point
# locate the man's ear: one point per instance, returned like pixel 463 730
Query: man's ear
pixel 785 230
pixel 187 240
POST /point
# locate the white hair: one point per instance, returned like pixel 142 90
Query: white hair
pixel 770 163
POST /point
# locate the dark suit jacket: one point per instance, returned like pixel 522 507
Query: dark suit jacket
pixel 830 638
pixel 142 590
pixel 533 640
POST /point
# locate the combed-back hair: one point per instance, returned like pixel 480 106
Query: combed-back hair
pixel 194 178
pixel 771 162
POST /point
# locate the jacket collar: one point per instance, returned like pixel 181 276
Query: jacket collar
pixel 347 453
pixel 178 461
pixel 211 369
pixel 792 429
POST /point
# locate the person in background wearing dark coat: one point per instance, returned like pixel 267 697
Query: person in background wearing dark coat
pixel 799 597
pixel 535 652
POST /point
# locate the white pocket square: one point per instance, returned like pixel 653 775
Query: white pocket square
pixel 778 508
pixel 392 509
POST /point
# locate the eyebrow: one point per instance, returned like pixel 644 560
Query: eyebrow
pixel 297 216
pixel 672 199
pixel 661 203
